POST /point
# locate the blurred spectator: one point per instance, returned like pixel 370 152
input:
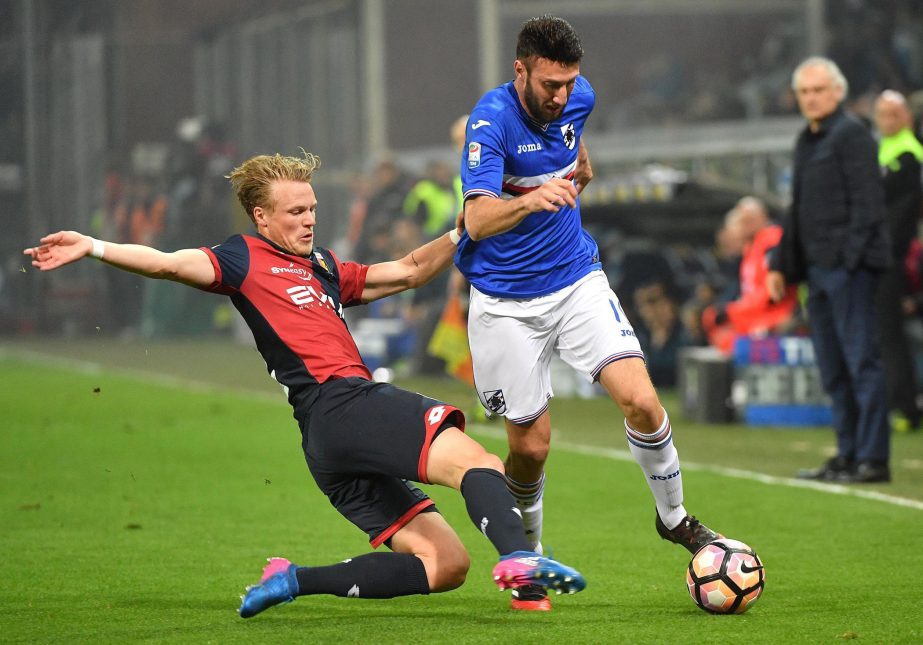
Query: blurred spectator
pixel 912 306
pixel 385 206
pixel 431 202
pixel 729 247
pixel 429 302
pixel 660 331
pixel 753 312
pixel 457 135
pixel 137 217
pixel 361 188
pixel 198 209
pixel 900 156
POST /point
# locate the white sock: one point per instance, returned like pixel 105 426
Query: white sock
pixel 659 462
pixel 528 498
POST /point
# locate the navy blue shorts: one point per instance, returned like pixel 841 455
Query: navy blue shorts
pixel 364 444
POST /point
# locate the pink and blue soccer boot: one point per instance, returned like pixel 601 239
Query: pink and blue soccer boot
pixel 277 585
pixel 522 568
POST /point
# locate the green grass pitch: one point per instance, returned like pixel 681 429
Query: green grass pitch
pixel 134 508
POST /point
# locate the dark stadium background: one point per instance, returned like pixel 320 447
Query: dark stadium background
pixel 102 97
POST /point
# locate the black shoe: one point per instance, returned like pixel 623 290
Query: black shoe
pixel 833 470
pixel 690 533
pixel 868 473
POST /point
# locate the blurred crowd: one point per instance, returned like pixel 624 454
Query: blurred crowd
pixel 677 295
pixel 172 197
pixel 877 44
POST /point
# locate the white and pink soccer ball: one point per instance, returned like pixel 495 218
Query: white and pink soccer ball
pixel 725 577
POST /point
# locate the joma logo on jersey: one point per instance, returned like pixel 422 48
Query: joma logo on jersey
pixel 528 147
pixel 305 295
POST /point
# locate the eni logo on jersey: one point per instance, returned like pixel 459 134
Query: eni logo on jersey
pixel 305 295
pixel 528 147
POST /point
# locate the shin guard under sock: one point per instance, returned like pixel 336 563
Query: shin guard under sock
pixel 492 509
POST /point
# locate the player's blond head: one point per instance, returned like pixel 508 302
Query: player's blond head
pixel 252 180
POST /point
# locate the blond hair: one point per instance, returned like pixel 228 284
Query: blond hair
pixel 252 180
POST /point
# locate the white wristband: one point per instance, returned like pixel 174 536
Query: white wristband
pixel 98 248
pixel 454 237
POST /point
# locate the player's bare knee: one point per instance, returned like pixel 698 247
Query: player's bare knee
pixel 450 569
pixel 642 409
pixel 489 461
pixel 531 453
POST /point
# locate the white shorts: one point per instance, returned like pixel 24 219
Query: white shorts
pixel 512 342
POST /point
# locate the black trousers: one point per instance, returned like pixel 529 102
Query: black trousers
pixel 844 331
pixel 895 346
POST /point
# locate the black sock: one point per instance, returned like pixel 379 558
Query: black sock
pixel 370 575
pixel 492 509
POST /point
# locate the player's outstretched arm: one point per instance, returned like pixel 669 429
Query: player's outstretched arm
pixel 189 266
pixel 486 216
pixel 413 270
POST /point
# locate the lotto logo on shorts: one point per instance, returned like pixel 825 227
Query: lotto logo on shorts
pixel 495 401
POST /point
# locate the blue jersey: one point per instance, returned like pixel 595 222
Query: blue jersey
pixel 507 154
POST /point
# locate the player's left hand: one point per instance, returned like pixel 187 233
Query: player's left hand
pixel 58 249
pixel 583 173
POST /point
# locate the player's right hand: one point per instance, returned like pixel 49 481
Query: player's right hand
pixel 58 249
pixel 552 196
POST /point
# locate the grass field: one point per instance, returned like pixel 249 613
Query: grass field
pixel 136 505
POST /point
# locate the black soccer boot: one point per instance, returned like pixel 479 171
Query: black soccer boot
pixel 690 533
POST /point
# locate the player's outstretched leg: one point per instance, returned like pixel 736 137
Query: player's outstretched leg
pixel 371 575
pixel 279 584
pixel 520 568
pixel 529 568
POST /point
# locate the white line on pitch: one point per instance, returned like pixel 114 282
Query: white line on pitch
pixel 89 367
pixel 624 455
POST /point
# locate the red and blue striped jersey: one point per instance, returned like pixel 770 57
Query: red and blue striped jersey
pixel 294 307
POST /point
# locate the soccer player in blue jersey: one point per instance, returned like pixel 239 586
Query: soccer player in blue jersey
pixel 363 441
pixel 537 283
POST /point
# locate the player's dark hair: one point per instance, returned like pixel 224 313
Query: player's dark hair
pixel 548 37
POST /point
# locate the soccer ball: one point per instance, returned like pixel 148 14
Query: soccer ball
pixel 725 577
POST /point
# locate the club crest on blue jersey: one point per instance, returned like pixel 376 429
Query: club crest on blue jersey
pixel 474 154
pixel 495 401
pixel 570 136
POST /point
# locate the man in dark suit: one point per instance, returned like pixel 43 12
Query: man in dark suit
pixel 836 238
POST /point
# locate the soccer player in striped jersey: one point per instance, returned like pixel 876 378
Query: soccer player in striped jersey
pixel 364 442
pixel 537 282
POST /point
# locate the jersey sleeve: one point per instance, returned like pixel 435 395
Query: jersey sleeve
pixel 231 260
pixel 352 281
pixel 483 159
